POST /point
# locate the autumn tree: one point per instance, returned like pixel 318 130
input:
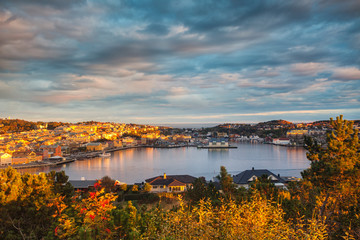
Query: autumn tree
pixel 135 188
pixel 87 217
pixel 27 203
pixel 147 187
pixel 335 173
pixel 123 187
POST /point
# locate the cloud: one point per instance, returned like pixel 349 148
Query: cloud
pixel 310 69
pixel 178 58
pixel 350 73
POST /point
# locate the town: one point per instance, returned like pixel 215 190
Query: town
pixel 31 144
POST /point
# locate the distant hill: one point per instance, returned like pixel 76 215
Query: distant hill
pixel 276 122
pixel 19 125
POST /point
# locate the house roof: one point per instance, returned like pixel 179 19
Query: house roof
pixel 243 177
pixel 182 179
pixel 168 182
pixel 82 183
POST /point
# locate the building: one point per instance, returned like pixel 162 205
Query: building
pixel 246 177
pixel 83 185
pixel 297 132
pixel 5 159
pixel 171 183
pixel 218 142
pixel 96 146
pixel 281 141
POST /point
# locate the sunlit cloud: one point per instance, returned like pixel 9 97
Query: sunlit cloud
pixel 179 61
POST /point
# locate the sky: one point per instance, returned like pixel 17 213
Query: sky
pixel 179 62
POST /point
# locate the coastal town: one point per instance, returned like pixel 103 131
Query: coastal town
pixel 48 145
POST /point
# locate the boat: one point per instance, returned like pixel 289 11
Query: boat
pixel 104 154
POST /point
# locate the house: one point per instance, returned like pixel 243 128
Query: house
pixel 171 183
pixel 83 185
pixel 246 177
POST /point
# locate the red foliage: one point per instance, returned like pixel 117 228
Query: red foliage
pixel 92 194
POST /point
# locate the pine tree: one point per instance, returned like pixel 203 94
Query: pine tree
pixel 339 160
pixel 335 175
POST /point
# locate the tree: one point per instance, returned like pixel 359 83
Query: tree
pixel 147 187
pixel 135 188
pixel 337 161
pixel 335 174
pixel 226 182
pixel 61 184
pixel 265 187
pixel 123 187
pixel 87 218
pixel 108 184
pixel 27 203
pixel 201 190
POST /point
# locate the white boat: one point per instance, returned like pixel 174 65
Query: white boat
pixel 104 154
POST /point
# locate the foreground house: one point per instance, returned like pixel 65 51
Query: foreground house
pixel 246 177
pixel 171 183
pixel 83 185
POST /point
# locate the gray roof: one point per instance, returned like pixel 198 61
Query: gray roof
pixel 82 183
pixel 181 178
pixel 243 177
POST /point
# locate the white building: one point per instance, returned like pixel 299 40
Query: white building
pixel 281 141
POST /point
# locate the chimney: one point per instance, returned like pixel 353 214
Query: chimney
pixel 164 175
pixel 252 168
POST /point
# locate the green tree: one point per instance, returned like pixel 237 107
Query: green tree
pixel 108 184
pixel 201 190
pixel 226 182
pixel 265 187
pixel 61 184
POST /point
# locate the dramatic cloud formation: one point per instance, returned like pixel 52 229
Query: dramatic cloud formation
pixel 179 61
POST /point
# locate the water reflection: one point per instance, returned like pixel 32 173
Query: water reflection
pixel 138 164
pixel 215 154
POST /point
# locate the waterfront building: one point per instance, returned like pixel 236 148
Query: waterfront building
pixel 218 142
pixel 96 146
pixel 281 141
pixel 5 159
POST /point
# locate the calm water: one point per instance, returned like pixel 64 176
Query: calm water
pixel 138 164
